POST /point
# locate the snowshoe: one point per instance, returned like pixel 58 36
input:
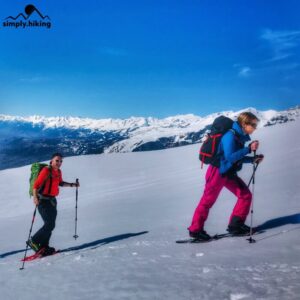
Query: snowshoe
pixel 48 251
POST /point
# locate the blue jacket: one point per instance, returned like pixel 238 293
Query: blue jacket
pixel 232 150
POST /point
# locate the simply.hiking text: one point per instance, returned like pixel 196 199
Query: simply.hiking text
pixel 32 18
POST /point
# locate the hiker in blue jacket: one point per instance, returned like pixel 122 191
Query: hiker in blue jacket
pixel 232 153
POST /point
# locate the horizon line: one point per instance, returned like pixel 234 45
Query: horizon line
pixel 146 117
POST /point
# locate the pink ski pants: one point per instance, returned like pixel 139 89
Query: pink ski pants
pixel 214 184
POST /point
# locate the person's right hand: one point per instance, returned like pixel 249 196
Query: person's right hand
pixel 254 145
pixel 36 201
pixel 258 158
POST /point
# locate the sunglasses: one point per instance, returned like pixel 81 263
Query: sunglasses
pixel 253 125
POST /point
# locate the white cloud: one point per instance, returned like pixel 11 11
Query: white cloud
pixel 281 42
pixel 244 72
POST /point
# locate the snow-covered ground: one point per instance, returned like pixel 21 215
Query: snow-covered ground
pixel 133 206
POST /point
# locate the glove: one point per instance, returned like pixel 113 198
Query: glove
pixel 258 158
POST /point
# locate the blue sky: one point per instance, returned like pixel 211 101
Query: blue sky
pixel 127 58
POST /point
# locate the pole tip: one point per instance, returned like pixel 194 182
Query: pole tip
pixel 251 240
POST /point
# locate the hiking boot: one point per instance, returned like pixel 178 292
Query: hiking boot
pixel 239 229
pixel 48 251
pixel 237 226
pixel 200 235
pixel 34 246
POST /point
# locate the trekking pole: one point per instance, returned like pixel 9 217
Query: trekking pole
pixel 251 239
pixel 34 213
pixel 75 236
pixel 253 173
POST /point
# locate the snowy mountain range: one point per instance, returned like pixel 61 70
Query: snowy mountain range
pixel 24 140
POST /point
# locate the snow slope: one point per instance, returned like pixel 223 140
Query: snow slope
pixel 133 206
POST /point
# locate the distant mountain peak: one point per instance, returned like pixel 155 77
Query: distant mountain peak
pixel 27 139
pixel 116 124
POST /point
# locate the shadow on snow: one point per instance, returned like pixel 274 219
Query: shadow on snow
pixel 92 245
pixel 292 219
pixel 99 243
pixel 273 223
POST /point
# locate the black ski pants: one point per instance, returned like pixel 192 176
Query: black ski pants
pixel 48 212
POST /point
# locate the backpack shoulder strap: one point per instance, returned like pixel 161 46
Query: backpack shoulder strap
pixel 50 176
pixel 50 170
pixel 41 190
pixel 233 131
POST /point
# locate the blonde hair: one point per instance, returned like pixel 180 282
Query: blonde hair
pixel 246 118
